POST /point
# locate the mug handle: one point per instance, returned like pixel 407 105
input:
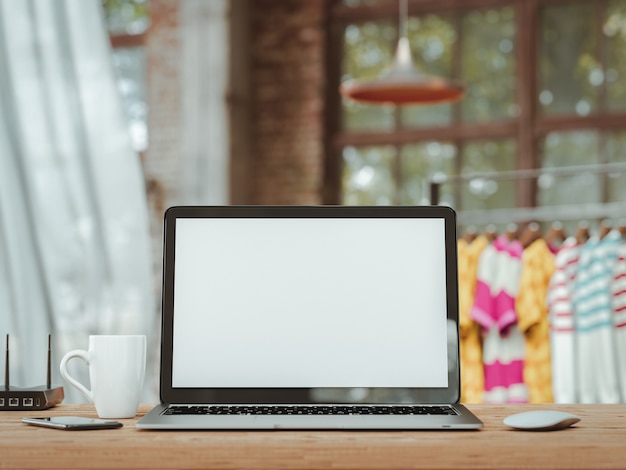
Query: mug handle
pixel 84 355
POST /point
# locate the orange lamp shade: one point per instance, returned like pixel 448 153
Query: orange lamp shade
pixel 403 92
pixel 403 84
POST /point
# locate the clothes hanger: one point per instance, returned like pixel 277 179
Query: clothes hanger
pixel 604 229
pixel 582 232
pixel 491 232
pixel 512 232
pixel 470 234
pixel 556 234
pixel 621 226
pixel 531 233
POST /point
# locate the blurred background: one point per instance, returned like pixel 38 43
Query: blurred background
pixel 544 81
pixel 114 110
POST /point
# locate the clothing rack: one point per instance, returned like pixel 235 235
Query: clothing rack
pixel 535 172
pixel 614 210
pixel 610 210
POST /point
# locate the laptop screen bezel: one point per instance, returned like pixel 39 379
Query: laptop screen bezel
pixel 171 394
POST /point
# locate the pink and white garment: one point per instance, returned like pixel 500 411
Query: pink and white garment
pixel 560 314
pixel 498 275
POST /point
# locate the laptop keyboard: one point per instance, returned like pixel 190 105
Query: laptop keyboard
pixel 310 410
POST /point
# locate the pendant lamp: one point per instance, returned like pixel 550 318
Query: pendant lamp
pixel 403 84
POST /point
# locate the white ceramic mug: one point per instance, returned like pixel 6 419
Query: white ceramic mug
pixel 117 365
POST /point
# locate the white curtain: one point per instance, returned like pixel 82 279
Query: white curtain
pixel 75 255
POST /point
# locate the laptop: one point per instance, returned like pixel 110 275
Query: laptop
pixel 320 317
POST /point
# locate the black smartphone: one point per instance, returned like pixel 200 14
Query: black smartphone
pixel 72 423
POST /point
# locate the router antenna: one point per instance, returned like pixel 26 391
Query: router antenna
pixel 6 366
pixel 48 377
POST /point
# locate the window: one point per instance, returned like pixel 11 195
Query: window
pixel 128 22
pixel 545 88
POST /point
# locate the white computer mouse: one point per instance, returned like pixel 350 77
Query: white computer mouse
pixel 541 420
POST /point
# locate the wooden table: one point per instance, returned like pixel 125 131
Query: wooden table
pixel 598 441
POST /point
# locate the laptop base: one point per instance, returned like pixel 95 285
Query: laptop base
pixel 156 420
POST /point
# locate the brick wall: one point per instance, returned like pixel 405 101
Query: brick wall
pixel 286 53
pixel 162 162
pixel 163 156
pixel 287 93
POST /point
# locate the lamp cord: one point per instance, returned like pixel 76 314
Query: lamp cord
pixel 403 18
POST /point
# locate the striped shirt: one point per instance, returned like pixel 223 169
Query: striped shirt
pixel 619 316
pixel 561 318
pixel 594 320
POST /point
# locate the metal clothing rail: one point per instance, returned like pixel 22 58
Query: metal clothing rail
pixel 536 172
pixel 610 210
pixel 613 210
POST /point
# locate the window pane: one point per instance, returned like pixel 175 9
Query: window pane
pixel 432 39
pixel 487 156
pixel 616 153
pixel 130 69
pixel 614 29
pixel 368 176
pixel 126 16
pixel 564 149
pixel 422 163
pixel 368 50
pixel 488 64
pixel 569 70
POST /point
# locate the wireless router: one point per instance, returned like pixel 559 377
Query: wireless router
pixel 36 398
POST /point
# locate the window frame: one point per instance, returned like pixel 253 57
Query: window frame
pixel 527 129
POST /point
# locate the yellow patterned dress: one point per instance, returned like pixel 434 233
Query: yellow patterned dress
pixel 472 374
pixel 532 319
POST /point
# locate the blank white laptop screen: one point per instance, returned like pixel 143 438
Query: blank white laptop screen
pixel 310 302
